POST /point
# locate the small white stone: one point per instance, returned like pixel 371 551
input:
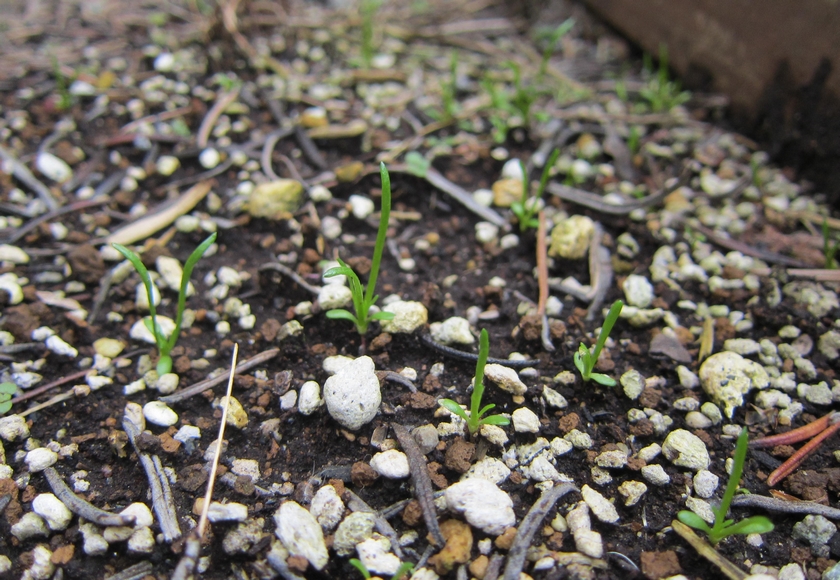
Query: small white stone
pixel 482 504
pixel 288 401
pixel 333 296
pixel 142 541
pixel 94 544
pixel 141 513
pixel 209 158
pixel 554 399
pixel 633 384
pixel 246 467
pixel 525 421
pixel 655 474
pixel 167 165
pixel 167 383
pixel 705 483
pixel 600 506
pixel 301 534
pixel 9 284
pixel 727 377
pixel 140 332
pixel 541 469
pixel 361 206
pixel 355 528
pixel 164 62
pixel 13 427
pixel 638 291
pixel 506 378
pixel 579 439
pixel 353 394
pixel 486 232
pixel 58 346
pixel 31 525
pixel 512 169
pixel 39 459
pixel 392 464
pixel 13 254
pixel 309 398
pixel 632 492
pixel 327 508
pixel 375 556
pixel 685 449
pixel 42 567
pixel 408 317
pixel 697 420
pixel 227 512
pixel 53 167
pixel 488 468
pixel 159 413
pixel 54 512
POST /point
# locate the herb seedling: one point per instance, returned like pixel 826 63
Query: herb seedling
pixel 450 88
pixel 166 344
pixel 551 44
pixel 368 10
pixel 723 527
pixel 829 249
pixel 585 360
pixel 661 93
pixel 523 96
pixel 403 569
pixel 476 417
pixel 364 298
pixel 7 390
pixel 525 208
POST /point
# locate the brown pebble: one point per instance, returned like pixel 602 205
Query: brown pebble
pixel 28 494
pixel 438 479
pixel 459 455
pixel 505 539
pixel 650 398
pixel 62 555
pixel 380 342
pixel 657 565
pixel 568 422
pixel 297 563
pixel 478 567
pixel 459 540
pixel 642 428
pixel 420 401
pixel 412 513
pixel 362 474
pixel 168 444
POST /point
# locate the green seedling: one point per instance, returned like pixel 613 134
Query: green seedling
pixel 525 208
pixel 723 527
pixel 165 343
pixel 368 10
pixel 661 93
pixel 403 569
pixel 585 360
pixel 7 391
pixel 829 248
pixel 64 100
pixel 450 88
pixel 476 417
pixel 551 44
pixel 416 164
pixel 523 96
pixel 364 297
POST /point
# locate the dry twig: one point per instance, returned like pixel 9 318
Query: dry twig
pixel 80 507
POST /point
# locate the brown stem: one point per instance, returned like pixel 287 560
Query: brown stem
pixel 795 435
pixel 797 458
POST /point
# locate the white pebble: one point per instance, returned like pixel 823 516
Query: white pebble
pixel 525 421
pixel 309 398
pixel 600 506
pixel 482 503
pixel 39 459
pixel 392 464
pixel 159 413
pixel 54 512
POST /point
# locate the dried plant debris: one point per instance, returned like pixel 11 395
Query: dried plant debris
pixel 534 177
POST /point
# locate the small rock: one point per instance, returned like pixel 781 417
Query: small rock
pixel 454 330
pixel 408 317
pixel 327 508
pixel 247 467
pixel 334 296
pixel 41 567
pixel 507 191
pixel 686 450
pixel 301 534
pixel 54 512
pixel 39 459
pixel 742 346
pixel 275 200
pixel 632 492
pixel 482 503
pixel 141 513
pixel 60 347
pixel 108 347
pixel 816 531
pixel 309 399
pixel 94 544
pixel 355 528
pixel 459 540
pixel 375 556
pixel 506 378
pixel 490 469
pixel 353 394
pixel 31 525
pixel 392 464
pixel 705 483
pixel 655 474
pixel 554 399
pixel 53 167
pixel 570 237
pixel 633 384
pixel 167 165
pixel 727 377
pixel 227 512
pixel 210 158
pixel 167 383
pixel 142 541
pixel 159 413
pixel 13 254
pixel 13 427
pixel 638 291
pixel 525 421
pixel 603 509
pixel 140 332
pixel 360 206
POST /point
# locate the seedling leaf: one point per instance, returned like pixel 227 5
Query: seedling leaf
pixel 692 520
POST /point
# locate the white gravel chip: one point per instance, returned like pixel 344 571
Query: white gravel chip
pixel 353 529
pixel 31 525
pixel 94 544
pixel 39 459
pixel 13 254
pixel 490 469
pixel 632 492
pixel 54 512
pixel 227 512
pixel 353 394
pixel 142 514
pixel 159 413
pixel 13 427
pixel 42 567
pixel 361 206
pixel 685 449
pixel 53 167
pixel 327 508
pixel 701 508
pixel 705 483
pixel 454 330
pixel 633 384
pixel 58 346
pixel 482 503
pixel 506 378
pixel 525 421
pixel 9 284
pixel 727 377
pixel 309 398
pixel 392 464
pixel 408 316
pixel 375 555
pixel 301 534
pixel 600 506
pixel 579 439
pixel 742 346
pixel 142 541
pixel 333 296
pixel 554 399
pixel 638 291
pixel 655 474
pixel 140 332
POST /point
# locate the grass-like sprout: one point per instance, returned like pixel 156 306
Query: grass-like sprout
pixel 723 527
pixel 551 44
pixel 403 569
pixel 368 10
pixel 585 360
pixel 476 417
pixel 661 93
pixel 7 390
pixel 165 343
pixel 364 297
pixel 525 209
pixel 829 248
